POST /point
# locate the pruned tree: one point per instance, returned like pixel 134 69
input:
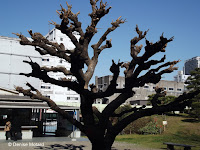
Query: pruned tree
pixel 103 133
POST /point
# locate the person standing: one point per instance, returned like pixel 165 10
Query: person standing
pixel 7 129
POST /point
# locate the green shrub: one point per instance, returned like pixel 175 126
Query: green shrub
pixel 151 128
pixel 135 126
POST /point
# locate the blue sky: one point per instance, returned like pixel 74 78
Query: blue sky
pixel 178 18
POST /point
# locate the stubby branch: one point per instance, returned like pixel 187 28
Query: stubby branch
pixel 45 46
pixel 57 69
pixel 41 74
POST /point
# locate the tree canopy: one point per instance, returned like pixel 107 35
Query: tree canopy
pixel 102 133
pixel 193 84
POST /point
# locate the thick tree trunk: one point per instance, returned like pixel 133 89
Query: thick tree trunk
pixel 101 145
pixel 102 142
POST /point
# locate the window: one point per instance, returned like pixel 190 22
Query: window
pixel 179 90
pixel 146 87
pixel 47 96
pixel 76 98
pixel 51 33
pixel 61 39
pixel 45 87
pixel 100 86
pixel 68 98
pixel 45 59
pixel 171 89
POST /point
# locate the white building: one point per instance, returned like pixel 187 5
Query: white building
pixel 12 55
pixel 59 94
pixel 181 77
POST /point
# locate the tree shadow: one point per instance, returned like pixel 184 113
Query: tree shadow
pixel 66 146
pixel 59 146
pixel 191 120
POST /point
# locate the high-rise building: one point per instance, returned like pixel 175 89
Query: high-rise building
pixel 191 64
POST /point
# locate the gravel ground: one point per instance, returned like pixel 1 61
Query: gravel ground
pixel 59 144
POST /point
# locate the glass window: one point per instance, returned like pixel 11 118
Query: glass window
pixel 179 89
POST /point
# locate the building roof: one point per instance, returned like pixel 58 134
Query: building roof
pixel 15 101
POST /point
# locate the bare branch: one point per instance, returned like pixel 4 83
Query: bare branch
pixel 67 29
pixel 134 109
pixel 57 69
pixel 113 105
pixel 41 74
pixel 39 41
pixel 96 15
pixel 112 88
pixel 104 36
pixel 178 104
pixel 151 76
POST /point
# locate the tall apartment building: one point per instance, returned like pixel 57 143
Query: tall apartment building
pixel 141 93
pixel 59 94
pixel 191 64
pixel 12 55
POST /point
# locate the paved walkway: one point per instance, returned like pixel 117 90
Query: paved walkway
pixel 59 143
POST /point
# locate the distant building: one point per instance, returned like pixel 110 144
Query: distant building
pixel 191 64
pixel 181 77
pixel 141 96
pixel 12 55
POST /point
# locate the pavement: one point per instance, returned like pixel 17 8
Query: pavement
pixel 59 143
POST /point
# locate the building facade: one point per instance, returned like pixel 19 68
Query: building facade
pixel 59 94
pixel 12 55
pixel 172 88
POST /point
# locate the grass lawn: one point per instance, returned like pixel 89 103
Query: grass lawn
pixel 180 129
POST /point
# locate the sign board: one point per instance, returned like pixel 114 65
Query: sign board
pixel 164 122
